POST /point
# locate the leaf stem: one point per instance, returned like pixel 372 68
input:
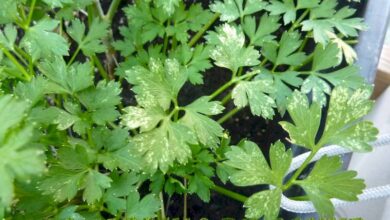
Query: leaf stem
pixel 228 193
pixel 221 89
pixel 203 30
pixel 185 201
pixel 112 10
pixel 291 181
pixel 162 211
pixel 100 67
pixel 30 14
pixel 74 56
pixel 16 63
pixel 228 115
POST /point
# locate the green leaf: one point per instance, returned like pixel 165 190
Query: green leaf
pixel 194 60
pixel 231 10
pixel 9 11
pixel 145 119
pixel 230 51
pixel 306 120
pixel 318 88
pixel 8 36
pixel 326 57
pixel 40 42
pixel 329 23
pixel 92 42
pixel 287 7
pixel 161 147
pixel 144 208
pixel 327 181
pixel 57 3
pixel 263 32
pixel 307 4
pixel 265 203
pixel 200 184
pixel 19 161
pixel 253 93
pixel 348 76
pixel 167 5
pixel 95 184
pixel 285 52
pixel 207 130
pixel 72 79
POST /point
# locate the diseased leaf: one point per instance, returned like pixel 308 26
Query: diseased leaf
pixel 327 181
pixel 254 93
pixel 231 10
pixel 265 203
pixel 318 88
pixel 167 5
pixel 146 119
pixel 230 51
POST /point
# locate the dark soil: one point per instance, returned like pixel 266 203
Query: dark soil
pixel 242 125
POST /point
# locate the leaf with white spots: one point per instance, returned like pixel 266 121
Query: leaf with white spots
pixel 168 6
pixel 230 51
pixel 143 118
pixel 306 120
pixel 327 181
pixel 231 10
pixel 254 93
pixel 343 126
pixel 206 129
pixel 317 87
pixel 158 84
pixel 249 168
pixel 265 203
pixel 161 147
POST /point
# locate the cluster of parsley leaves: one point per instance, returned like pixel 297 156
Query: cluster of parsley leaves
pixel 73 146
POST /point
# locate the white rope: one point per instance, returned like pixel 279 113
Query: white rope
pixel 368 194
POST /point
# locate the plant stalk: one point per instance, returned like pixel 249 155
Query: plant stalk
pixel 228 115
pixel 112 10
pixel 291 181
pixel 203 30
pixel 228 193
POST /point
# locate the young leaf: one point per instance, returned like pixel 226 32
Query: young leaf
pixel 92 42
pixel 253 93
pixel 41 42
pixel 167 5
pixel 144 208
pixel 95 184
pixel 231 10
pixel 8 36
pixel 285 52
pixel 327 181
pixel 263 33
pixel 207 130
pixel 230 51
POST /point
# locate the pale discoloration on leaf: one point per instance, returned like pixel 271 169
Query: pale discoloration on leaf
pixel 265 203
pixel 253 93
pixel 146 119
pixel 231 10
pixel 229 51
pixel 318 88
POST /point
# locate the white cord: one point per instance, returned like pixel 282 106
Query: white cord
pixel 368 194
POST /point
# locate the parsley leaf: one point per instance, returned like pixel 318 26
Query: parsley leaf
pixel 263 32
pixel 251 168
pixel 207 130
pixel 230 51
pixel 142 208
pixel 19 160
pixel 342 125
pixel 41 42
pixel 167 5
pixel 144 118
pixel 231 10
pixel 92 42
pixel 284 53
pixel 327 181
pixel 8 36
pixel 253 93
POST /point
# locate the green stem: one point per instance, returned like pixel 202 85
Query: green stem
pixel 226 98
pixel 229 193
pixel 16 63
pixel 296 24
pixel 185 201
pixel 100 67
pixel 291 181
pixel 99 9
pixel 228 115
pixel 74 56
pixel 304 63
pixel 162 211
pixel 221 89
pixel 203 30
pixel 30 14
pixel 112 10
